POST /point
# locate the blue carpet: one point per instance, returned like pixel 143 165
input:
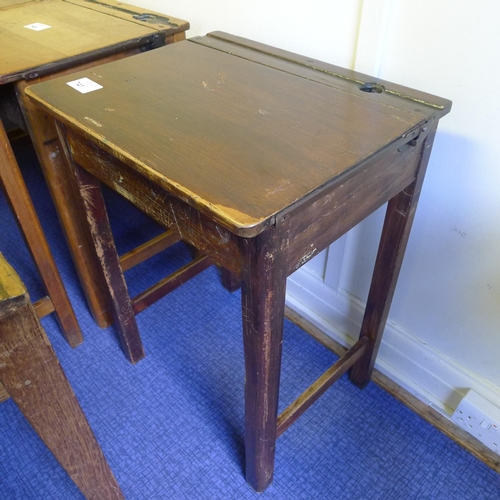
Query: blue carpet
pixel 171 427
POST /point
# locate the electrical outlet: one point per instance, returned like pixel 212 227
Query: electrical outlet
pixel 480 418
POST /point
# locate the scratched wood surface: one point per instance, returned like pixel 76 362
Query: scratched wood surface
pixel 32 375
pixel 77 27
pixel 260 159
pixel 241 142
pixel 13 186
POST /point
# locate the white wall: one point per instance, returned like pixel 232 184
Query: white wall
pixel 324 29
pixel 444 330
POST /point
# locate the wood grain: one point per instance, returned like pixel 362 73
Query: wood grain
pixel 78 30
pixel 395 234
pixel 105 251
pixel 31 374
pixel 263 289
pixel 16 192
pixel 259 159
pixel 8 4
pixel 206 107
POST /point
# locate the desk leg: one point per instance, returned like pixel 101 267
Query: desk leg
pixel 263 305
pixel 64 192
pixel 91 198
pixel 395 233
pixel 24 211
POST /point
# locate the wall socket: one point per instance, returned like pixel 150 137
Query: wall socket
pixel 480 418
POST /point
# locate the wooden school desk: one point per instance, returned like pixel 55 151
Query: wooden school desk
pixel 41 39
pixel 260 159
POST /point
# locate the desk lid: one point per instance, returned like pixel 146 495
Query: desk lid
pixel 43 36
pixel 239 130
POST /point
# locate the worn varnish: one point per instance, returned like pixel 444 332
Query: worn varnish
pixel 31 374
pixel 82 35
pixel 260 159
pixel 13 186
pixel 78 30
pixel 287 145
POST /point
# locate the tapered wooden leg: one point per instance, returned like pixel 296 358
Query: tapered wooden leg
pixel 31 373
pixel 97 217
pixel 395 233
pixel 64 193
pixel 19 199
pixel 90 195
pixel 263 304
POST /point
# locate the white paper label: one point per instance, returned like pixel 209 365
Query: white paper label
pixel 37 26
pixel 84 85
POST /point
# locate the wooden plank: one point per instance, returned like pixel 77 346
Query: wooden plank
pixel 148 249
pixel 170 283
pixel 263 289
pixel 320 386
pixel 429 414
pixel 31 374
pixel 105 251
pixel 64 192
pixel 395 234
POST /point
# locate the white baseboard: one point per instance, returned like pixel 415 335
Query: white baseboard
pixel 423 371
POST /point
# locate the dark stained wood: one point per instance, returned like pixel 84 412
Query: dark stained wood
pixel 64 192
pixel 12 183
pixel 148 249
pixel 259 160
pixel 395 233
pixel 346 80
pixel 98 224
pixel 169 211
pixel 320 386
pixel 361 193
pixel 289 148
pixel 170 283
pixel 230 281
pixel 31 374
pixel 263 290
